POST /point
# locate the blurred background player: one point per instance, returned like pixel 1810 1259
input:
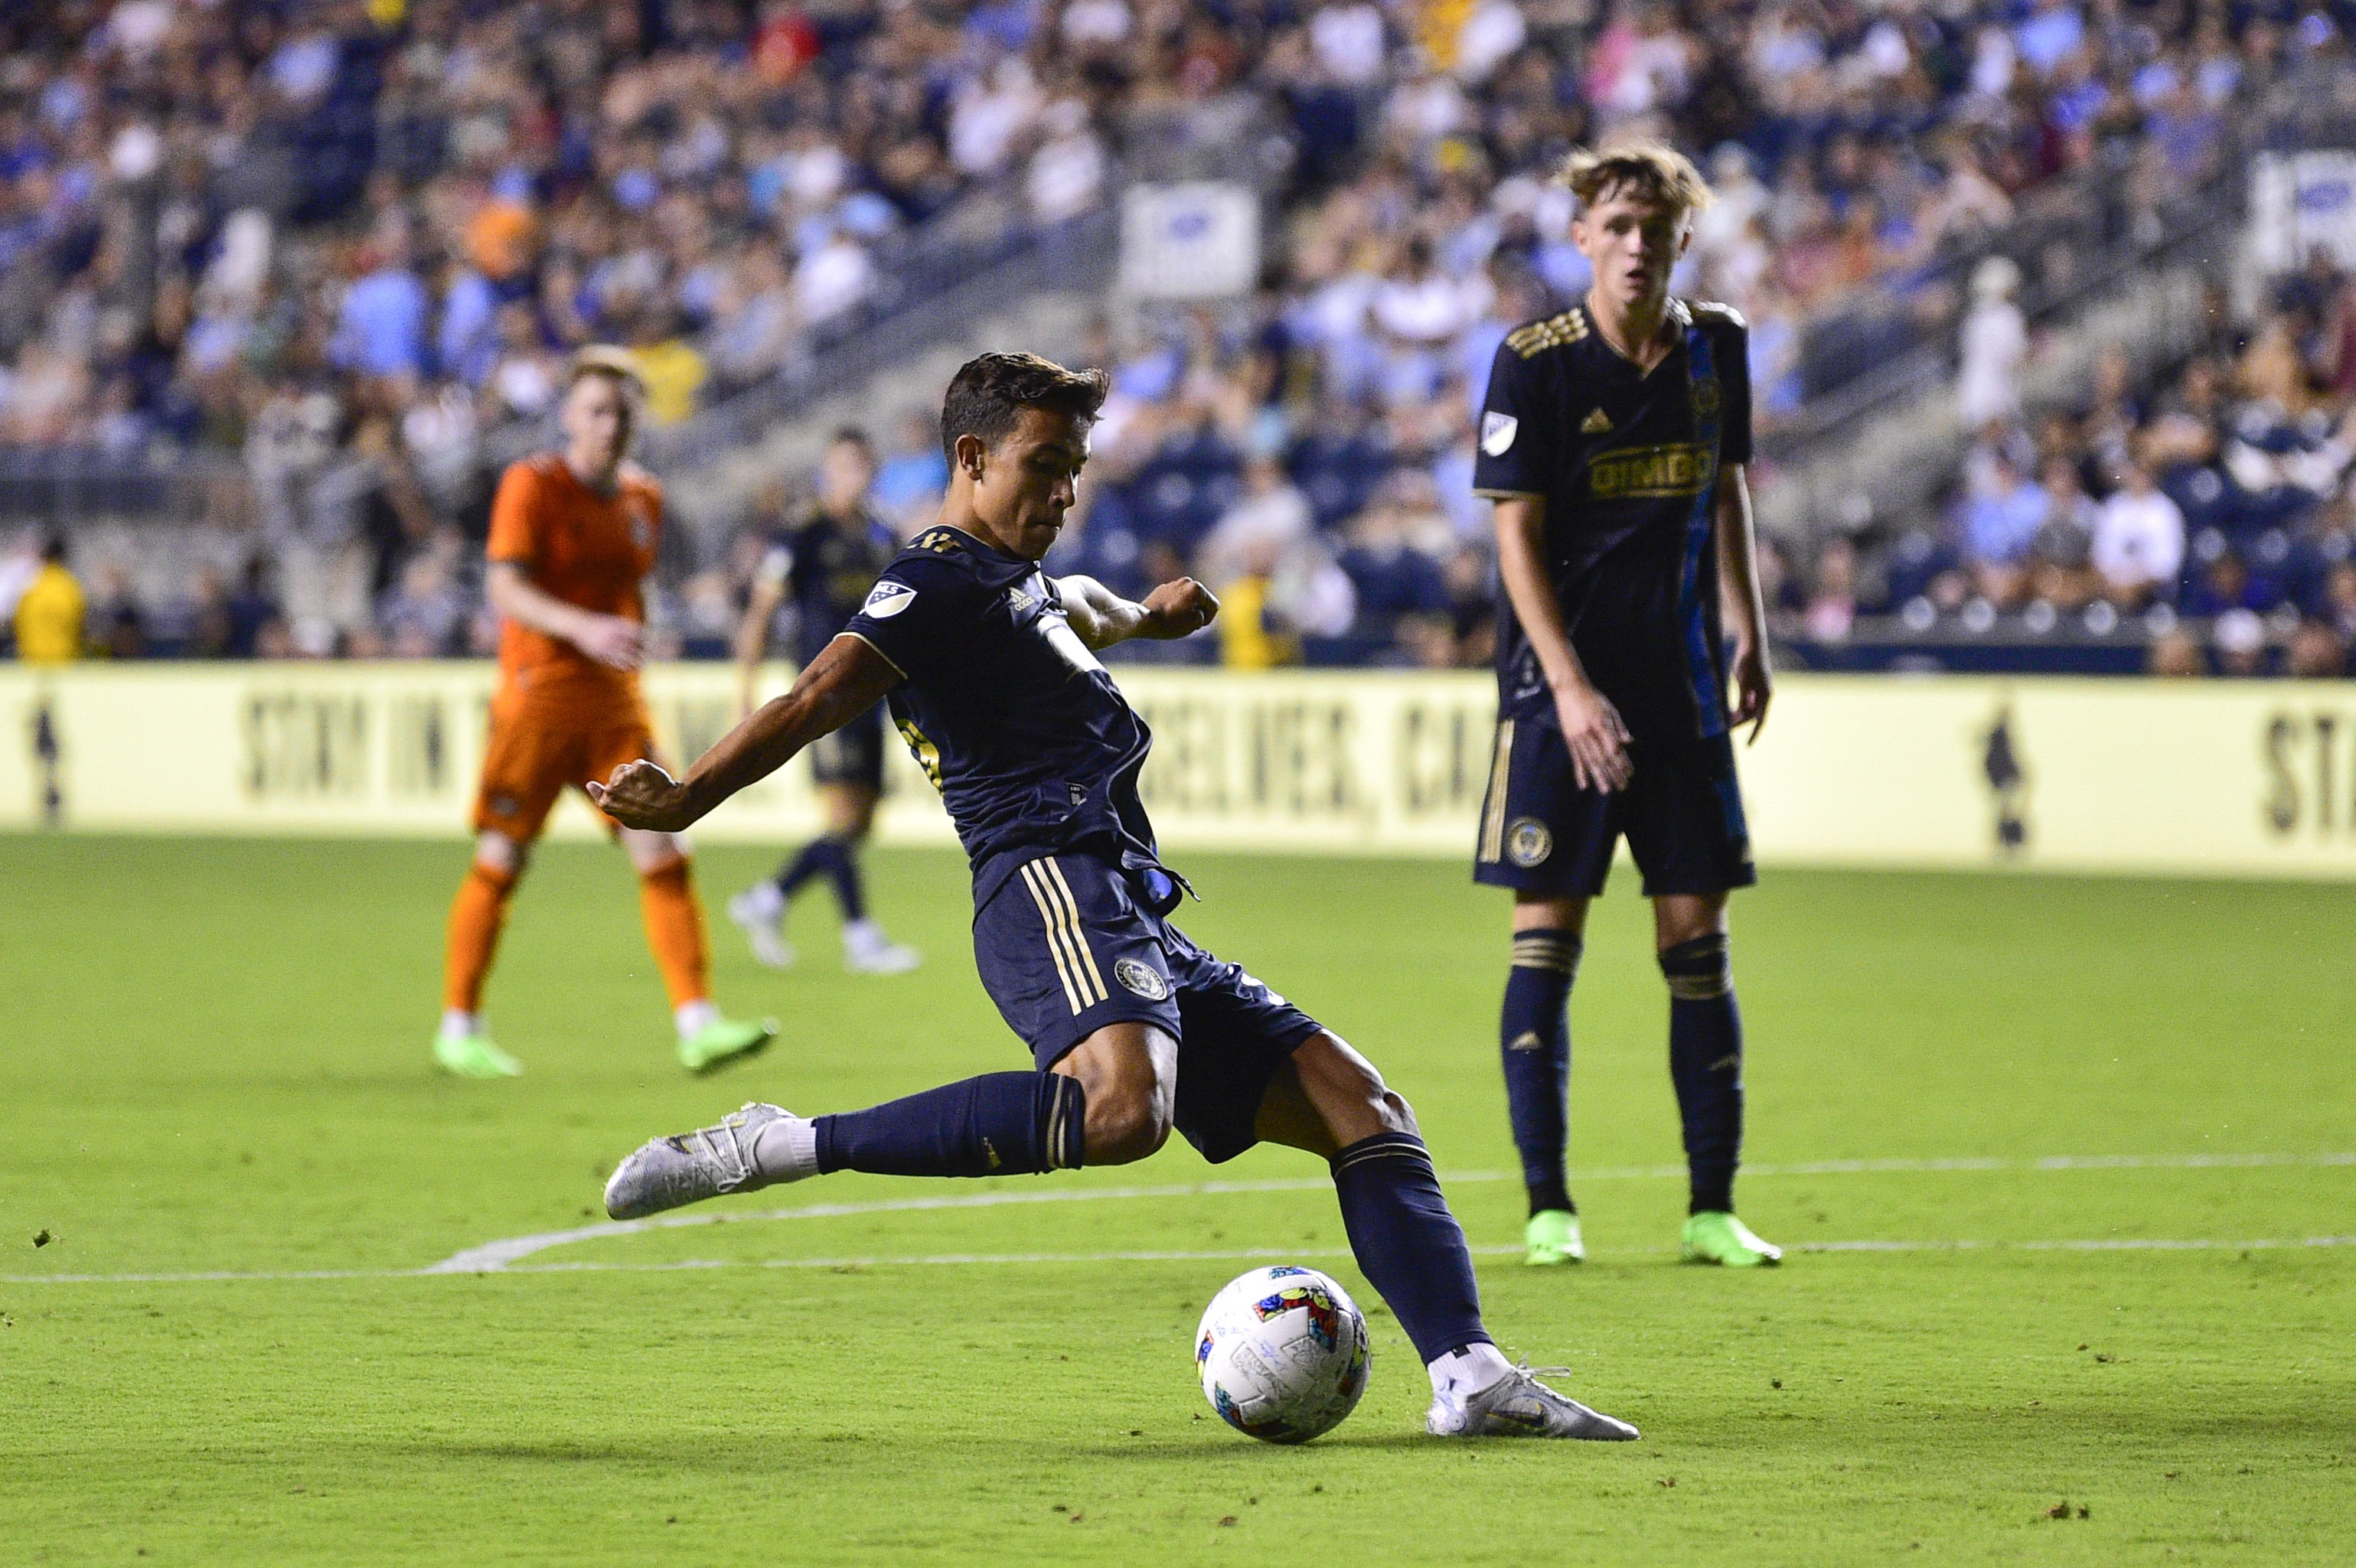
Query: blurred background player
pixel 573 537
pixel 1613 441
pixel 824 563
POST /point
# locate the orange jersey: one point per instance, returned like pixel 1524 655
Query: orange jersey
pixel 588 550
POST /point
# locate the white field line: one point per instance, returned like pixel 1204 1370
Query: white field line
pixel 506 1256
pixel 927 1260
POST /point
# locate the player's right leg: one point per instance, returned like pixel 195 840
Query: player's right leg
pixel 1549 840
pixel 1327 1099
pixel 528 760
pixel 462 1044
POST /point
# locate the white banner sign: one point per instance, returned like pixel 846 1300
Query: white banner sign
pixel 2250 778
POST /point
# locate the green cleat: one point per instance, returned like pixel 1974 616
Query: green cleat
pixel 724 1041
pixel 473 1056
pixel 1554 1239
pixel 1714 1237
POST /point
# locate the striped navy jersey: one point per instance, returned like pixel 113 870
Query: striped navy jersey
pixel 1030 742
pixel 1628 464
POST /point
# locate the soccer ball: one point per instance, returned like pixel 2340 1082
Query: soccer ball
pixel 1283 1354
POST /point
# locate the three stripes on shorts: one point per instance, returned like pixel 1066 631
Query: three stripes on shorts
pixel 1084 985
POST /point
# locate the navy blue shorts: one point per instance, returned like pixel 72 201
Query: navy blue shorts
pixel 1682 814
pixel 1069 944
pixel 853 754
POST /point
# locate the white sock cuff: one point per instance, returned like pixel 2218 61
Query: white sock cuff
pixel 787 1150
pixel 692 1016
pixel 1467 1370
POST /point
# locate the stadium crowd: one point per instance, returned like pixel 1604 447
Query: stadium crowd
pixel 2211 499
pixel 349 240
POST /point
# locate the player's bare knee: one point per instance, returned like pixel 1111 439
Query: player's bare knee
pixel 1128 1126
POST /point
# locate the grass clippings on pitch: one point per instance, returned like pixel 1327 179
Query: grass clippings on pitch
pixel 216 1065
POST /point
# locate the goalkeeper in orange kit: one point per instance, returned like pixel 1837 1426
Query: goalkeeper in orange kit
pixel 573 535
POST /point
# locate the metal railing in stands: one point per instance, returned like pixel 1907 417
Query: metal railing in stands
pixel 1877 347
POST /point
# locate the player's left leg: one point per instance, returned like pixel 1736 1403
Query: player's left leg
pixel 1325 1098
pixel 1705 1066
pixel 1107 1101
pixel 675 932
pixel 1686 831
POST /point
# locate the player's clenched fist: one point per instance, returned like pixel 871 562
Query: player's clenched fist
pixel 1178 608
pixel 640 794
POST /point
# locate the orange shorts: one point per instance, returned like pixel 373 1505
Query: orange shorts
pixel 544 740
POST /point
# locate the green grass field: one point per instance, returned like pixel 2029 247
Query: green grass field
pixel 214 1076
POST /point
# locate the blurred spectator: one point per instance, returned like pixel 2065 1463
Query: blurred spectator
pixel 2175 653
pixel 1995 346
pixel 2000 525
pixel 1831 610
pixel 117 626
pixel 2138 545
pixel 2061 572
pixel 2315 653
pixel 912 477
pixel 2240 636
pixel 51 610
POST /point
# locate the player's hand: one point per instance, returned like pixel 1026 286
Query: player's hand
pixel 1178 608
pixel 640 794
pixel 1598 739
pixel 614 641
pixel 1753 685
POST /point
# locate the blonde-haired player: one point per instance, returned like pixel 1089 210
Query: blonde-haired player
pixel 1613 441
pixel 574 535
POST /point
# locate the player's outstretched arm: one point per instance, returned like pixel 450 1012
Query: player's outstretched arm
pixel 1100 617
pixel 847 678
pixel 1745 606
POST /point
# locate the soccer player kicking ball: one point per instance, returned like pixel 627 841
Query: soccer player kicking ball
pixel 573 535
pixel 1613 441
pixel 990 671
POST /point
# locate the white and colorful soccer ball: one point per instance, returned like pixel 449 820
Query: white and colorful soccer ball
pixel 1283 1354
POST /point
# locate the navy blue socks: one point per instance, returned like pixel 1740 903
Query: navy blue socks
pixel 1706 1064
pixel 832 858
pixel 1000 1124
pixel 1408 1244
pixel 1533 1036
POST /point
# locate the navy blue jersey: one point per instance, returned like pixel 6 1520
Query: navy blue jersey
pixel 1030 742
pixel 1628 464
pixel 826 568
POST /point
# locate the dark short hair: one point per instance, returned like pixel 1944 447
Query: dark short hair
pixel 989 393
pixel 852 435
pixel 53 547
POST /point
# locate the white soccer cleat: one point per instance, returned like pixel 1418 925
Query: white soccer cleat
pixel 688 1168
pixel 867 951
pixel 1518 1406
pixel 762 920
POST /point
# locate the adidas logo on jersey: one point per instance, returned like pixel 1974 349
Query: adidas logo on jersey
pixel 1022 603
pixel 1594 424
